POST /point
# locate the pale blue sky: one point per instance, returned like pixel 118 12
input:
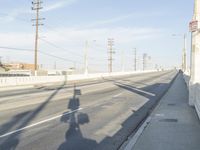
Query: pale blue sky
pixel 145 24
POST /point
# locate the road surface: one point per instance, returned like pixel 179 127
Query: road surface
pixel 94 115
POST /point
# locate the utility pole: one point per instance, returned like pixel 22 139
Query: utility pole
pixel 135 59
pixel 110 52
pixel 86 57
pixel 55 65
pixel 184 63
pixel 36 6
pixel 184 59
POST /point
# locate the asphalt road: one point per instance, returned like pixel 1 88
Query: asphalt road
pixel 93 115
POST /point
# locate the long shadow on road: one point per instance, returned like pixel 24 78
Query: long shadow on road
pixel 10 142
pixel 74 139
pixel 132 122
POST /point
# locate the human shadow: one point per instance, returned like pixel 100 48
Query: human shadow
pixel 74 139
pixel 14 127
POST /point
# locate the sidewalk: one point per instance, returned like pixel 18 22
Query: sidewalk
pixel 173 125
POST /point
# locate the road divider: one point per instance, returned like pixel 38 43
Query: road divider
pixel 18 82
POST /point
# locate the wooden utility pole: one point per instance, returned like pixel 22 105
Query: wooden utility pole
pixel 110 52
pixel 36 5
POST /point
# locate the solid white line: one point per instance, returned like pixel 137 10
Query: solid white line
pixel 148 93
pixel 38 123
pixel 117 95
pixel 133 140
pixel 53 118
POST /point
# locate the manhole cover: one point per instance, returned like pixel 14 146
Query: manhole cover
pixel 168 120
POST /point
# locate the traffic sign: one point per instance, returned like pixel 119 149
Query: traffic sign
pixel 193 26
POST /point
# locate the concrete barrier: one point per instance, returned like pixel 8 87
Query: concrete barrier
pixel 194 96
pixel 36 80
pixel 186 76
pixel 194 93
pixel 197 98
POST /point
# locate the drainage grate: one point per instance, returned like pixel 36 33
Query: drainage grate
pixel 168 120
pixel 171 104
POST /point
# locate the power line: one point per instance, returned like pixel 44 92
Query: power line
pixel 50 43
pixel 58 47
pixel 17 49
pixel 44 53
pixel 111 52
pixel 47 54
pixel 135 59
pixel 63 49
pixel 58 57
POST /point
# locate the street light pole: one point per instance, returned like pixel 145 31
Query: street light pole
pixel 86 56
pixel 184 63
pixel 135 59
pixel 184 59
pixel 122 60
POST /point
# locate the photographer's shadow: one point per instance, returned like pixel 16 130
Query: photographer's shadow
pixel 74 139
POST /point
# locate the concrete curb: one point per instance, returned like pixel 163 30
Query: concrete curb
pixel 128 145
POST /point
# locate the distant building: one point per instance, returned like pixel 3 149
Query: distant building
pixel 19 66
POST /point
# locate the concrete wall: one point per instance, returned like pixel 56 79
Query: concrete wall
pixel 195 96
pixel 194 93
pixel 35 80
pixel 194 83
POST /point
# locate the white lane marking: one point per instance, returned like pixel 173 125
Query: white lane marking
pixel 53 118
pixel 38 123
pixel 117 95
pixel 145 92
pixel 134 139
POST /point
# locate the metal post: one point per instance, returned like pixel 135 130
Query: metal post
pixel 184 63
pixel 135 60
pixel 86 57
pixel 111 52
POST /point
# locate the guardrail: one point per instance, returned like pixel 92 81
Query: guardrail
pixel 34 80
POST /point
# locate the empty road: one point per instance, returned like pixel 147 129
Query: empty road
pixel 84 116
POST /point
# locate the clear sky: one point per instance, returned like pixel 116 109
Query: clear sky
pixel 147 25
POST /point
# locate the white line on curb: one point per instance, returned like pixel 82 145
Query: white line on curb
pixel 134 139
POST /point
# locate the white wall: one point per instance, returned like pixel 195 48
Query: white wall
pixel 194 93
pixel 35 80
pixel 195 96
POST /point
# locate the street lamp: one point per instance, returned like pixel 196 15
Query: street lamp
pixel 184 64
pixel 86 56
